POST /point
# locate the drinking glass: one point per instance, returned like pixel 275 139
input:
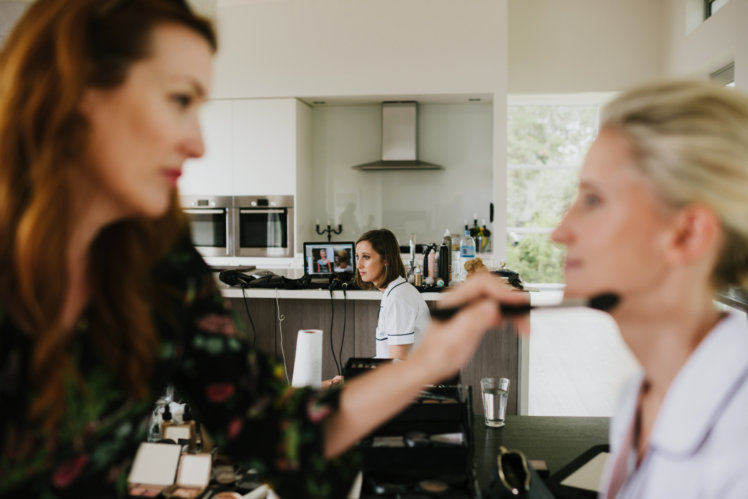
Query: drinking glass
pixel 495 394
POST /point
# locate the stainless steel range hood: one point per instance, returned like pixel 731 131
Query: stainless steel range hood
pixel 399 140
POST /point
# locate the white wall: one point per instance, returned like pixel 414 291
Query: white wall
pixel 371 51
pixel 583 45
pixel 457 136
pixel 298 48
pixel 700 50
pixel 10 12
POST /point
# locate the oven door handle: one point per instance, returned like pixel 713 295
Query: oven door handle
pixel 244 211
pixel 204 212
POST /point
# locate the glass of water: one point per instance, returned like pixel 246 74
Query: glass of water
pixel 495 392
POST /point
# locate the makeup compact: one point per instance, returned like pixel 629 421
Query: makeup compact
pixel 192 478
pixel 154 468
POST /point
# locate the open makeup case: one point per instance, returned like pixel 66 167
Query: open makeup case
pixel 426 450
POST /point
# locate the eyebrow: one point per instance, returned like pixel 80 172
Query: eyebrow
pixel 199 89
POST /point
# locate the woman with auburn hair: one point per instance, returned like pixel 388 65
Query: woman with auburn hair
pixel 660 219
pixel 403 314
pixel 103 298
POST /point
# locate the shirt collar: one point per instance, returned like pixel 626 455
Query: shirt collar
pixel 703 387
pixel 398 280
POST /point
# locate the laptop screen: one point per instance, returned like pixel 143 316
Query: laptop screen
pixel 326 259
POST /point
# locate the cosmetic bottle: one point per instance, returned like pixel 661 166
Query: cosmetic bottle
pixel 431 261
pixel 166 420
pixel 445 264
pixel 417 276
pixel 425 265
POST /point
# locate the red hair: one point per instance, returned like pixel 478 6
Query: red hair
pixel 57 50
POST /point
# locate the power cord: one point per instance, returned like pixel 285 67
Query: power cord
pixel 281 318
pixel 345 316
pixel 246 308
pixel 332 321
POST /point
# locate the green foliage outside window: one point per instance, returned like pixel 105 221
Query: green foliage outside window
pixel 546 147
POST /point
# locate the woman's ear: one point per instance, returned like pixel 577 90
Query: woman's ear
pixel 697 233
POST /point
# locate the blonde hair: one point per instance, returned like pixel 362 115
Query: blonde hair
pixel 690 138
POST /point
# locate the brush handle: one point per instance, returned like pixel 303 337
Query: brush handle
pixel 603 301
pixel 507 310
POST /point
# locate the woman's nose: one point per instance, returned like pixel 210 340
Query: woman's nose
pixel 193 145
pixel 561 233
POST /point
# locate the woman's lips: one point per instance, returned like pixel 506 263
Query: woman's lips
pixel 172 175
pixel 572 264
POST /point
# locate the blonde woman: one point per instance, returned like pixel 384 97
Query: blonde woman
pixel 661 218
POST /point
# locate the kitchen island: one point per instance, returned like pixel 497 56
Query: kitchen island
pixel 352 318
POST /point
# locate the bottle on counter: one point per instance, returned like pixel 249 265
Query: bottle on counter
pixel 486 238
pixel 445 264
pixel 447 241
pixel 425 266
pixel 467 253
pixel 417 276
pixel 431 261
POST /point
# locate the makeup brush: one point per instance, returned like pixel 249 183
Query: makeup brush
pixel 603 301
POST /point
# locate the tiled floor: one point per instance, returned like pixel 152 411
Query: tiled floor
pixel 577 363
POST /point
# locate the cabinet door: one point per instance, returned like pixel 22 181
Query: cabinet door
pixel 212 174
pixel 264 147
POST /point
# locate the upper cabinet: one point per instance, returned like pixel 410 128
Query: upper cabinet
pixel 212 174
pixel 264 148
pixel 250 149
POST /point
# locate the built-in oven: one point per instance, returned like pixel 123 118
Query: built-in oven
pixel 211 221
pixel 263 226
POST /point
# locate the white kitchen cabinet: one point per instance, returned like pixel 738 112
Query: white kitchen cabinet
pixel 264 146
pixel 212 174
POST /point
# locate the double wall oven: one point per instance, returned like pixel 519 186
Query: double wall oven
pixel 248 226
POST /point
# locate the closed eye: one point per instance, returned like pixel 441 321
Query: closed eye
pixel 590 200
pixel 182 100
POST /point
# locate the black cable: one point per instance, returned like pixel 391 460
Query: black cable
pixel 275 331
pixel 332 320
pixel 246 307
pixel 345 317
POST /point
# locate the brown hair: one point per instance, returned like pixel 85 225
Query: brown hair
pixel 58 49
pixel 691 141
pixel 385 244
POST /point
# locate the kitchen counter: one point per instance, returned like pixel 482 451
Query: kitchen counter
pixel 310 294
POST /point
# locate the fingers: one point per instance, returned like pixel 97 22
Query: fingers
pixel 481 286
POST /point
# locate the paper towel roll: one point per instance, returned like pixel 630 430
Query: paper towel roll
pixel 307 368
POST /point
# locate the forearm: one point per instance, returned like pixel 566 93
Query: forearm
pixel 399 351
pixel 369 400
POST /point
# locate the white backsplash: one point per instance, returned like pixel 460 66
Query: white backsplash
pixel 456 136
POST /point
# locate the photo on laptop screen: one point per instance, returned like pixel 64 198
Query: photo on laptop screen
pixel 325 259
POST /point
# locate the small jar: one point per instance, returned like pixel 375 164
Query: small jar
pixel 417 276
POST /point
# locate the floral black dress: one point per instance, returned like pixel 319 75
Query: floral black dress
pixel 239 395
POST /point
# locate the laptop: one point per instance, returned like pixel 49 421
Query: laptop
pixel 324 261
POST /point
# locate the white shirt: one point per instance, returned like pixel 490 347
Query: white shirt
pixel 403 316
pixel 699 444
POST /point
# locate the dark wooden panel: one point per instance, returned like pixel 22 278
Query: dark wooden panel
pixel 367 313
pixel 299 314
pixel 496 356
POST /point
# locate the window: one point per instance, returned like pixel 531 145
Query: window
pixel 547 140
pixel 712 6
